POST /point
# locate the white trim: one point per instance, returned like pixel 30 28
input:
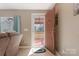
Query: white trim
pixel 38 14
pixel 51 7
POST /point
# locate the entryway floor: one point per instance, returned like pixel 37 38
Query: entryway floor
pixel 26 51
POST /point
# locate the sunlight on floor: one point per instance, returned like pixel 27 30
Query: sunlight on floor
pixel 32 50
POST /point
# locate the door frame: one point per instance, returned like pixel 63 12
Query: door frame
pixel 32 15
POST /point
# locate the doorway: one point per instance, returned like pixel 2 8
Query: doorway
pixel 38 30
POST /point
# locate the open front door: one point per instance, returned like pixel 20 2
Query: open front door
pixel 38 30
pixel 50 28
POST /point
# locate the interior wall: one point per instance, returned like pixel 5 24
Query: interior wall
pixel 25 22
pixel 68 30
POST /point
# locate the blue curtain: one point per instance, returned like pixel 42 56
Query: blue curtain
pixel 0 24
pixel 17 24
pixel 4 25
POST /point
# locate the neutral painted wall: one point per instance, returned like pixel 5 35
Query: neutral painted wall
pixel 68 30
pixel 25 22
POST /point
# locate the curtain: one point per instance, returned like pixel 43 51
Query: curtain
pixel 10 24
pixel 17 24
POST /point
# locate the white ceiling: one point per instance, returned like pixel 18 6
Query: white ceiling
pixel 31 6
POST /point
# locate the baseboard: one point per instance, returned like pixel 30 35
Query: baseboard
pixel 24 46
pixel 57 53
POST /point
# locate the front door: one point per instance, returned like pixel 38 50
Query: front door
pixel 38 30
